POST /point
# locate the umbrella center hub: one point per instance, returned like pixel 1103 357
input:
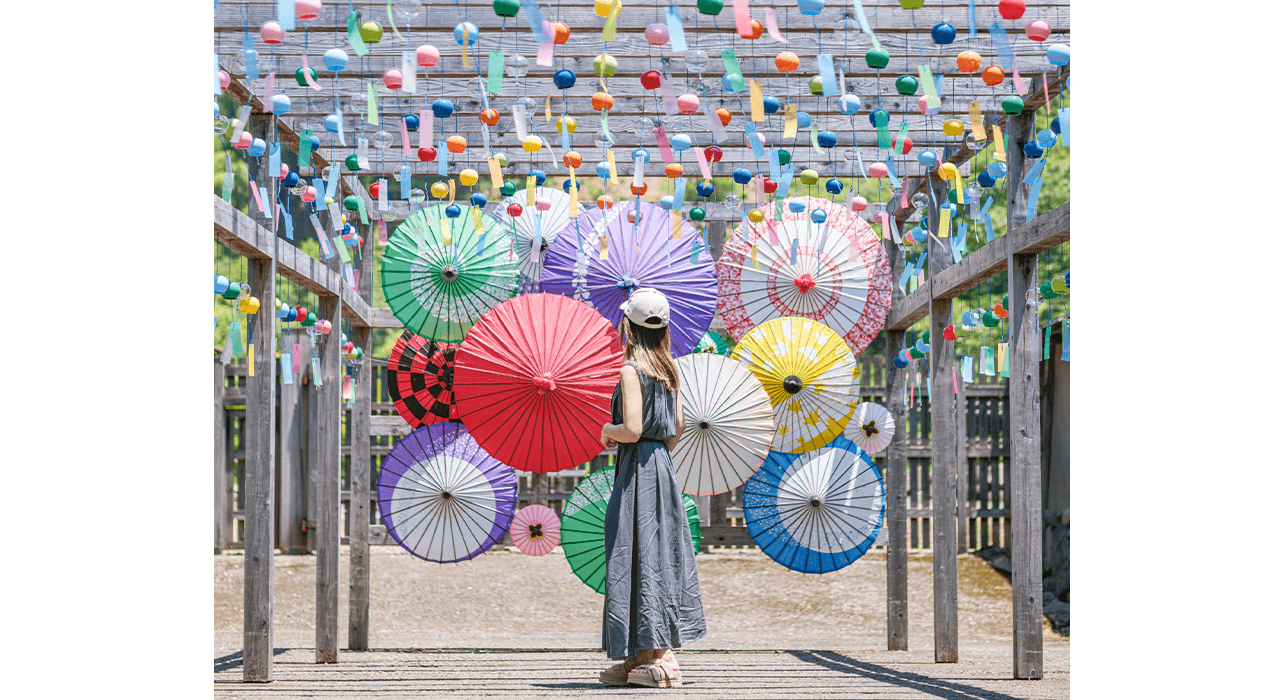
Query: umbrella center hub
pixel 628 284
pixel 446 495
pixel 792 384
pixel 535 531
pixel 704 424
pixel 805 283
pixel 869 428
pixel 544 383
pixel 449 273
pixel 815 502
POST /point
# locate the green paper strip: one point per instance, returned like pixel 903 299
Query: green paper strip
pixel 609 33
pixel 926 82
pixel 364 216
pixel 233 334
pixel 372 116
pixel 496 59
pixel 391 20
pixel 883 140
pixel 1004 366
pixel 777 211
pixel 228 179
pixel 989 361
pixel 902 135
pixel 1047 335
pixel 315 370
pixel 341 245
pixel 304 149
pixel 353 35
pixel 731 67
pixel 604 124
pixel 813 137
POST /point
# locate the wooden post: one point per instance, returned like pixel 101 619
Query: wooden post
pixel 314 448
pixel 221 504
pixel 942 440
pixel 962 461
pixel 895 476
pixel 329 439
pixel 292 408
pixel 716 511
pixel 1026 510
pixel 259 477
pixel 539 486
pixel 358 510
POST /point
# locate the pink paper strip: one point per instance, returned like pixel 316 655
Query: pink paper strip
pixel 664 146
pixel 773 233
pixel 427 125
pixel 404 138
pixel 759 192
pixel 355 279
pixel 1018 86
pixel 382 231
pixel 545 50
pixel 256 197
pixel 902 204
pixel 668 96
pixel 702 163
pixel 306 73
pixel 771 23
pixel 269 90
pixel 742 17
pixel 297 358
pixel 955 388
pixel 1045 83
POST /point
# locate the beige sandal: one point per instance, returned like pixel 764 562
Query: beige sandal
pixel 617 674
pixel 658 673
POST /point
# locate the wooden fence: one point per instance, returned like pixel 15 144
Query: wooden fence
pixel 986 480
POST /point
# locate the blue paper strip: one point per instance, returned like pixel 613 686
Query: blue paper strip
pixel 285 14
pixel 973 29
pixel 697 246
pixel 406 182
pixel 757 148
pixel 675 29
pixel 273 158
pixel 956 254
pixel 1033 198
pixel 858 153
pixel 1005 51
pixel 775 167
pixel 991 230
pixel 862 17
pixel 784 182
pixel 906 275
pixel 288 221
pixel 250 59
pixel 894 182
pixel 987 205
pixel 266 203
pixel 966 369
pixel 537 229
pixel 533 15
pixel 286 368
pixel 1034 171
pixel 331 187
pixel 1064 123
pixel 480 243
pixel 442 160
pixel 678 195
pixel 1066 341
pixel 827 69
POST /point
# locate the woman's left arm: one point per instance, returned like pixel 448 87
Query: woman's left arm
pixel 632 424
pixel 671 442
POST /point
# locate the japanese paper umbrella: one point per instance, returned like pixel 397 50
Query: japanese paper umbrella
pixel 810 376
pixel 535 228
pixel 420 380
pixel 712 342
pixel 534 380
pixel 600 258
pixel 871 427
pixel 835 272
pixel 441 274
pixel 582 529
pixel 535 530
pixel 444 498
pixel 728 424
pixel 815 512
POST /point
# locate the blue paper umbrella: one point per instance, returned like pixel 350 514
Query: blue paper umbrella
pixel 817 511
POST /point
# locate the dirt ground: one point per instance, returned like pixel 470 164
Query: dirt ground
pixel 507 599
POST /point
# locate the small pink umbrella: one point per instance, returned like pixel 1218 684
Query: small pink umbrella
pixel 535 530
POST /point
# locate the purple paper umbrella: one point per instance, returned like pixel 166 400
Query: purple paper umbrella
pixel 634 255
pixel 442 497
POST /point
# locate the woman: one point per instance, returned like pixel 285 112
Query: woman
pixel 652 600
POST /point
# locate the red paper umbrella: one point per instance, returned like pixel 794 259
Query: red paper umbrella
pixel 420 380
pixel 534 379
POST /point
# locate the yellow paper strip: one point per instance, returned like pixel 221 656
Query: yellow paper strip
pixel 453 189
pixel 944 222
pixel 754 262
pixel 1002 349
pixel 676 229
pixel 975 121
pixel 466 62
pixel 613 166
pixel 789 126
pixel 548 105
pixel 573 200
pixel 495 173
pixel 998 139
pixel 573 177
pixel 611 23
pixel 757 102
pixel 446 232
pixel 529 199
pixel 959 185
pixel 250 359
pixel 604 247
pixel 476 221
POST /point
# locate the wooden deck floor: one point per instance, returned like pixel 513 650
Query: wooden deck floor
pixel 564 673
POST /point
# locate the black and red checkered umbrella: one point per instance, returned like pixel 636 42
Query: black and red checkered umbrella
pixel 420 379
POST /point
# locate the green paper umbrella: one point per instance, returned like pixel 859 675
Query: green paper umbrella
pixel 712 342
pixel 439 291
pixel 582 527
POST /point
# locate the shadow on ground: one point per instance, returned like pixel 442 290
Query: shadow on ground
pixel 914 681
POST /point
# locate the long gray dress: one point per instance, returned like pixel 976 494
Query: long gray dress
pixel 652 599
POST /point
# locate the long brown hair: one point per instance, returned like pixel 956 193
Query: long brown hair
pixel 650 349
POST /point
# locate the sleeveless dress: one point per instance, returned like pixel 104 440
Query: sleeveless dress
pixel 652 599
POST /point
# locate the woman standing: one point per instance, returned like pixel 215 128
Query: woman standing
pixel 652 600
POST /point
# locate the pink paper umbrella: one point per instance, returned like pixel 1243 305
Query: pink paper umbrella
pixel 535 530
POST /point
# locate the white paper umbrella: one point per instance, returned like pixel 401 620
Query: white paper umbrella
pixel 535 225
pixel 871 427
pixel 728 424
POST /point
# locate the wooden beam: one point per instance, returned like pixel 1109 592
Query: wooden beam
pixel 292 439
pixel 249 238
pixel 726 536
pixel 221 483
pixel 328 424
pixel 259 478
pixel 946 645
pixel 895 477
pixel 358 510
pixel 1026 508
pixel 1042 233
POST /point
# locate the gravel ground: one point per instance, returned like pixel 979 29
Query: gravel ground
pixel 505 599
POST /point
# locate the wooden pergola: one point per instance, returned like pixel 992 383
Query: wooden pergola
pixel 897 31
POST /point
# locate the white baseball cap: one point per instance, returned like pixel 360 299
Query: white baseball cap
pixel 647 307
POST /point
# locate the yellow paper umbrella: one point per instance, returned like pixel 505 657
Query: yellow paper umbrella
pixel 810 377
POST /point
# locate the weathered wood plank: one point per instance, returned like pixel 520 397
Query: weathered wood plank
pixel 1023 436
pixel 292 408
pixel 328 425
pixel 252 240
pixel 221 479
pixel 946 646
pixel 895 477
pixel 728 536
pixel 962 458
pixel 358 511
pixel 259 479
